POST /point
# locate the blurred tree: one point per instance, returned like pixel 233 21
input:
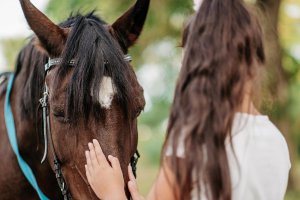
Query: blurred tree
pixel 276 76
pixel 279 80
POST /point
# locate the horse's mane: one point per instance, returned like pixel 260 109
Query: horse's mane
pixel 96 55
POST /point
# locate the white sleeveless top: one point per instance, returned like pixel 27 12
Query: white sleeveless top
pixel 261 167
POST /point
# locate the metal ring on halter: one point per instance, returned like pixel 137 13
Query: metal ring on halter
pixel 128 58
pixel 4 76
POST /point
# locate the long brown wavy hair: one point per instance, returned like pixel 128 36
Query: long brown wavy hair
pixel 223 51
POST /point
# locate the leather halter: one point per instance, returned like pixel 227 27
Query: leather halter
pixel 44 101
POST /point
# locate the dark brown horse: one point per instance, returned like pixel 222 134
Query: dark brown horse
pixel 98 96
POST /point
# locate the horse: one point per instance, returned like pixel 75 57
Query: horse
pixel 87 90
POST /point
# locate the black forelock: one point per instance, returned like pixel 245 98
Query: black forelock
pixel 96 55
pixel 74 17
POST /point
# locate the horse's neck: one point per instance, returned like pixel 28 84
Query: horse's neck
pixel 27 138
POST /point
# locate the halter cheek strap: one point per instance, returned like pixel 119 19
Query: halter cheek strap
pixel 48 137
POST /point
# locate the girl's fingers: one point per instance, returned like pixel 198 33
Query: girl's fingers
pixel 93 157
pixel 88 161
pixel 132 185
pixel 115 163
pixel 99 153
pixel 133 191
pixel 88 175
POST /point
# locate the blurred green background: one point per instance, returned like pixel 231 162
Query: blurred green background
pixel 157 60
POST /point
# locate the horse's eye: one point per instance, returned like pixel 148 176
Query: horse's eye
pixel 59 114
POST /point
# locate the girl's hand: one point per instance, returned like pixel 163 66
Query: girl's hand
pixel 106 180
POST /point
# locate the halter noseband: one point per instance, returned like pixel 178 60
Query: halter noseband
pixel 48 136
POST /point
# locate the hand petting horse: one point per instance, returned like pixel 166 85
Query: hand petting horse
pixel 73 83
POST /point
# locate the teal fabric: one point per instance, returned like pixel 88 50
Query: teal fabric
pixel 10 126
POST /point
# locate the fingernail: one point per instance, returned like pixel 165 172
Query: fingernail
pixel 94 141
pixel 90 144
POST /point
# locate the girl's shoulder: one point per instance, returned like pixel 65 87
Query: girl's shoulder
pixel 260 137
pixel 260 162
pixel 259 126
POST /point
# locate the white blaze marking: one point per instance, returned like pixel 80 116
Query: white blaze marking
pixel 106 93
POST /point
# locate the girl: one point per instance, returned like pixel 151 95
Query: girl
pixel 218 146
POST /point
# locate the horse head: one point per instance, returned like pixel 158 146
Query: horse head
pixel 93 92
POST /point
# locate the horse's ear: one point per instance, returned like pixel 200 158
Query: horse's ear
pixel 128 27
pixel 51 36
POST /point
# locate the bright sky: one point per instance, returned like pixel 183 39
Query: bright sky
pixel 12 22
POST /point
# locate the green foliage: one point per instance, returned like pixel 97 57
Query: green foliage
pixel 11 50
pixel 289 29
pixel 292 195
